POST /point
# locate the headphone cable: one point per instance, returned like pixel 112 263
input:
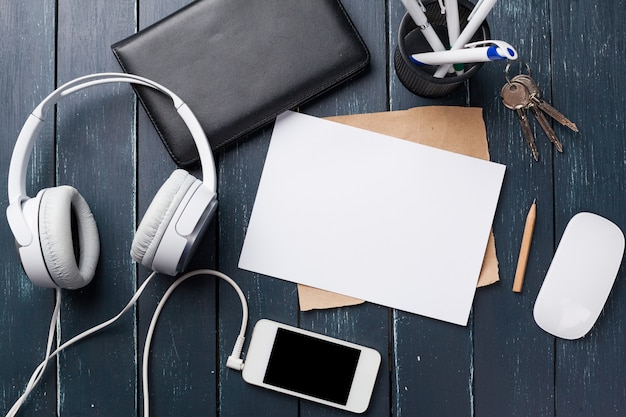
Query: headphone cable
pixel 37 373
pixel 234 360
pixel 36 376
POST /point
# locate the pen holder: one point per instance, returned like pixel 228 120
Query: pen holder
pixel 419 79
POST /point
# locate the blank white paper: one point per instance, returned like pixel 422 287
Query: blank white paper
pixel 371 216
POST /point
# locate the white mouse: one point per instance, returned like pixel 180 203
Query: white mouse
pixel 580 276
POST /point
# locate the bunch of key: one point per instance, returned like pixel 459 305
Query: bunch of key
pixel 521 93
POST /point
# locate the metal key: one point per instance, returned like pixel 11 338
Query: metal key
pixel 539 116
pixel 535 96
pixel 516 97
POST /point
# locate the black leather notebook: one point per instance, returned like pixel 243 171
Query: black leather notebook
pixel 240 63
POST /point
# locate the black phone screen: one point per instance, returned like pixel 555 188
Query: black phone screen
pixel 312 366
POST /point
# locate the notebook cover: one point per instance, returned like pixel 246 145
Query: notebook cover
pixel 239 63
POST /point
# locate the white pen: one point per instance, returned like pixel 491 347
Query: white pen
pixel 452 20
pixel 473 12
pixel 498 50
pixel 416 11
pixel 454 26
pixel 472 27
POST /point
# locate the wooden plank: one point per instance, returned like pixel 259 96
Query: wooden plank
pixel 366 324
pixel 590 176
pixel 512 357
pixel 26 309
pixel 96 153
pixel 431 360
pixel 240 169
pixel 183 358
pixel 270 298
pixel 502 364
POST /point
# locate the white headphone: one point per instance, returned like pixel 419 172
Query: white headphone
pixel 166 237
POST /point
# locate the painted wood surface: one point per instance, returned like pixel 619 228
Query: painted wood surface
pixel 101 142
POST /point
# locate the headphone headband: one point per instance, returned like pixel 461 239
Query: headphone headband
pixel 29 133
pixel 95 79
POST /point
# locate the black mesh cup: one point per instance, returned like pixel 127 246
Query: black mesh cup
pixel 419 79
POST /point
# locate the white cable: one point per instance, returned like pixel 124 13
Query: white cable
pixel 36 376
pixel 234 360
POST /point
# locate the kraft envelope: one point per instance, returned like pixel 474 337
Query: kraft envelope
pixel 372 216
pixel 456 129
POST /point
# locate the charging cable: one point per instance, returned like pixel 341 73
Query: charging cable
pixel 234 360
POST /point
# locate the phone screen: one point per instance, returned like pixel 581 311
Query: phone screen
pixel 311 366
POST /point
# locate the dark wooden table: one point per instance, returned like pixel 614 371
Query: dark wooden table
pixel 501 364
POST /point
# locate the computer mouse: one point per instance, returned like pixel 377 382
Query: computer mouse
pixel 580 277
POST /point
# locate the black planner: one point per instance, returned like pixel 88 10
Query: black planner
pixel 240 63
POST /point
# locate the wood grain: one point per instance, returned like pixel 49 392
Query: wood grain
pixel 101 142
pixel 25 310
pixel 513 358
pixel 590 176
pixel 95 153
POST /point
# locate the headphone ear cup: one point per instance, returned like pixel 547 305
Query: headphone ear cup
pixel 158 216
pixel 58 207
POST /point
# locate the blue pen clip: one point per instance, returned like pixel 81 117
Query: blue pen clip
pixel 498 50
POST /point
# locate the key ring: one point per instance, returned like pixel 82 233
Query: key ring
pixel 506 71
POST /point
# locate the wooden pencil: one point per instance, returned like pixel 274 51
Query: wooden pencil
pixel 525 248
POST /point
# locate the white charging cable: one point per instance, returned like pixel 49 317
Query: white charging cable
pixel 234 360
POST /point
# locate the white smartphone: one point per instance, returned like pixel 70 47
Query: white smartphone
pixel 311 366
